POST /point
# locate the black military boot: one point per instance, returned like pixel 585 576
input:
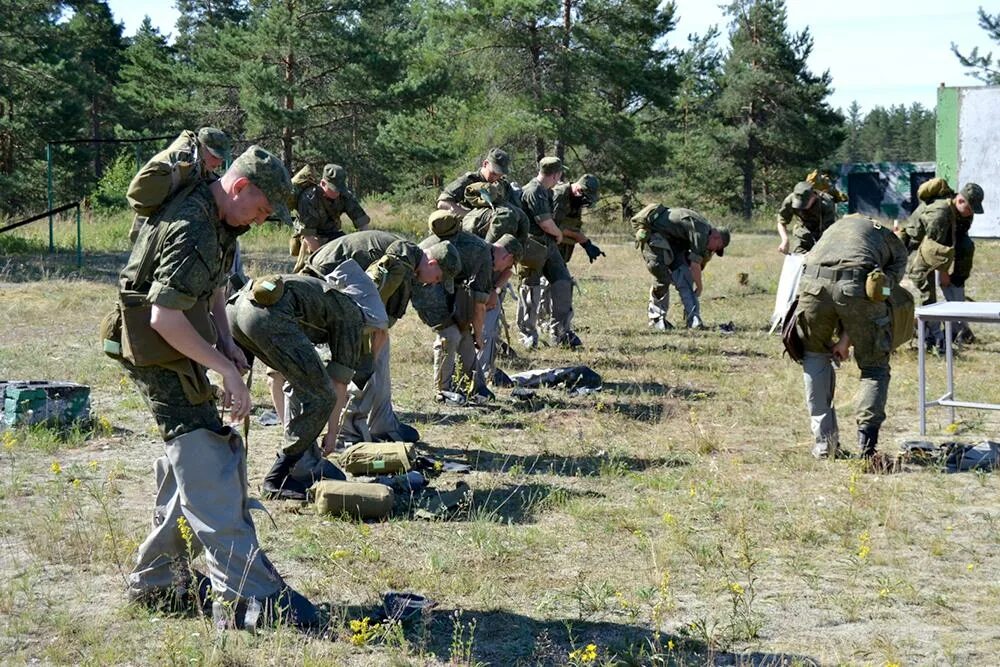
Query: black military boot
pixel 291 608
pixel 867 442
pixel 278 483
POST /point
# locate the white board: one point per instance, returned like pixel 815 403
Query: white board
pixel 788 285
pixel 979 153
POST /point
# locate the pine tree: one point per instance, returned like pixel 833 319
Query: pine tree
pixel 776 117
pixel 983 66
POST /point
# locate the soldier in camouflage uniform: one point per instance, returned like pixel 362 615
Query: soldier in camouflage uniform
pixel 319 209
pixel 814 212
pixel 568 202
pixel 492 169
pixel 833 301
pixel 931 235
pixel 681 242
pixel 177 269
pixel 280 319
pixel 458 320
pixel 191 156
pixel 395 265
pixel 536 199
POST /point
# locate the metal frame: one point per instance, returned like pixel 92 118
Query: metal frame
pixel 987 312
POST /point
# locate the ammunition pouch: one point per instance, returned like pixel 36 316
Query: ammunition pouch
pixel 111 333
pixel 141 345
pixel 294 246
pixel 935 255
pixel 268 290
pixel 902 311
pixel 875 286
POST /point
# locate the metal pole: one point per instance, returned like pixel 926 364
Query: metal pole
pixel 950 363
pixel 921 378
pixel 48 161
pixel 79 240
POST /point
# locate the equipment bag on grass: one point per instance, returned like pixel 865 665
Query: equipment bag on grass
pixel 360 500
pixel 377 458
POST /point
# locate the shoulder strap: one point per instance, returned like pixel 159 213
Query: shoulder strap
pixel 153 249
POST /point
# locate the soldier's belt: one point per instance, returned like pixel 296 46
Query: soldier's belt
pixel 835 275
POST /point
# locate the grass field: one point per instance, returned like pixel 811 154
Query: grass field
pixel 676 517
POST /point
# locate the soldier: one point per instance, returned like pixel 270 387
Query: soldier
pixel 930 235
pixel 171 309
pixel 492 169
pixel 280 319
pixel 834 300
pixel 815 212
pixel 395 265
pixel 319 208
pixel 191 156
pixel 536 199
pixel 459 320
pixel 677 245
pixel 568 201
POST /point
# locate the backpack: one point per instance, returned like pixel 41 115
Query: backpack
pixel 934 189
pixel 163 176
pixel 644 222
pixel 303 178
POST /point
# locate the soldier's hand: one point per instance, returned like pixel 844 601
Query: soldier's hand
pixel 329 444
pixel 233 352
pixel 842 349
pixel 235 396
pixel 593 252
pixel 783 247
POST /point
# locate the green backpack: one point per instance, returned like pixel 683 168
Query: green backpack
pixel 377 458
pixel 303 178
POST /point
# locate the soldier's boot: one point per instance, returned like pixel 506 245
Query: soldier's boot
pixel 867 442
pixel 289 607
pixel 527 314
pixel 875 461
pixel 820 380
pixel 656 311
pixel 279 483
pixel 562 314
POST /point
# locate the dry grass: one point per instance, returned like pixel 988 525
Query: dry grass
pixel 676 517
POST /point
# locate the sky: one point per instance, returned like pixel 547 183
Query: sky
pixel 879 53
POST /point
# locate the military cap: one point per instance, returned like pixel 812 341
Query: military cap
pixel 589 185
pixel 726 238
pixel 267 172
pixel 510 243
pixel 974 195
pixel 499 160
pixel 449 260
pixel 335 177
pixel 801 195
pixel 550 165
pixel 444 223
pixel 215 142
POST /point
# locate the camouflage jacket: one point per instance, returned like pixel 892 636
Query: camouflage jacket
pixel 320 216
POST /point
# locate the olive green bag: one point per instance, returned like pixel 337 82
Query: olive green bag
pixel 360 500
pixel 902 311
pixel 535 254
pixel 377 458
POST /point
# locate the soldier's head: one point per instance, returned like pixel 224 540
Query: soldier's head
pixel 969 200
pixel 334 181
pixel 587 187
pixel 718 240
pixel 506 251
pixel 803 196
pixel 550 171
pixel 214 146
pixel 495 165
pixel 439 264
pixel 254 187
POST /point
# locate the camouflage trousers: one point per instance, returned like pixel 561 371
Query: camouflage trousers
pixel 824 308
pixel 274 335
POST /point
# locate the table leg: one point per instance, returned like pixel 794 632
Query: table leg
pixel 921 379
pixel 950 362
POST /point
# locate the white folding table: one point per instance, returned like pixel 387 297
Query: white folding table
pixel 949 312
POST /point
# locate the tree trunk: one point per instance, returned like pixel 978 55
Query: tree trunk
pixel 747 168
pixel 535 50
pixel 565 83
pixel 95 129
pixel 287 138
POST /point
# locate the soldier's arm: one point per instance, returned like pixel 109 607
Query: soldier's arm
pixel 895 265
pixel 937 222
pixel 452 194
pixel 696 277
pixel 388 276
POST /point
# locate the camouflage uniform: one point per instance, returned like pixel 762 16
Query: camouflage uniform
pixel 832 298
pixel 965 250
pixel 319 216
pixel 567 213
pixel 810 223
pixel 938 222
pixel 538 204
pixel 450 316
pixel 392 263
pixel 677 238
pixel 283 335
pixel 202 476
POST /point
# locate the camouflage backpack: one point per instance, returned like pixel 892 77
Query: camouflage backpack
pixel 644 223
pixel 303 178
pixel 912 230
pixel 166 174
pixel 934 189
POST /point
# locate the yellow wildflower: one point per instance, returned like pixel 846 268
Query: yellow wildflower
pixel 736 588
pixel 864 545
pixel 56 468
pixel 584 655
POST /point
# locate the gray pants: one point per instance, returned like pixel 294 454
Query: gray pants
pixel 203 478
pixel 486 358
pixel 450 342
pixel 953 293
pixel 820 379
pixel 659 297
pixel 559 296
pixel 369 413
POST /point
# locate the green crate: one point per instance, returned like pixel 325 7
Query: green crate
pixel 27 402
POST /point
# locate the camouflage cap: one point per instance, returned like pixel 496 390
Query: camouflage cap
pixel 499 160
pixel 801 195
pixel 449 260
pixel 335 177
pixel 215 142
pixel 550 165
pixel 973 194
pixel 510 243
pixel 267 172
pixel 589 187
pixel 444 223
pixel 726 238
